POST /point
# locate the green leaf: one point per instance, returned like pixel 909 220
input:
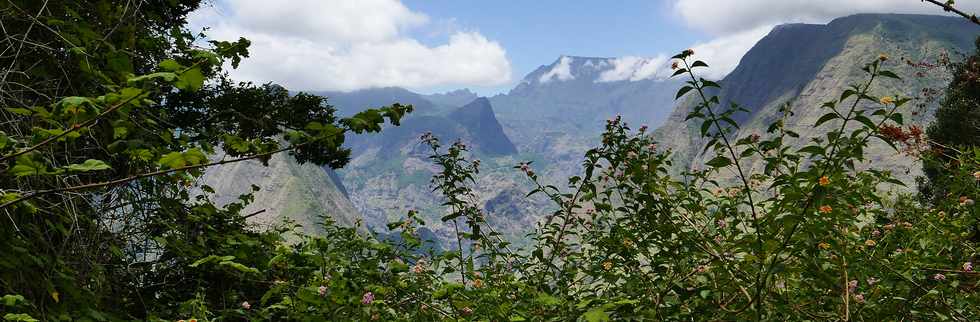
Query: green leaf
pixel 698 63
pixel 88 165
pixel 21 317
pixel 888 74
pixel 190 80
pixel 719 162
pixel 683 91
pixel 825 118
pixel 596 315
pixel 170 65
pixel 172 160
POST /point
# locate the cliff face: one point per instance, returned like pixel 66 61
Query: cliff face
pixel 288 190
pixel 806 65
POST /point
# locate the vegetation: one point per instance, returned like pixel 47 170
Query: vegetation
pixel 111 112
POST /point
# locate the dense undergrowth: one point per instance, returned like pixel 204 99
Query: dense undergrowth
pixel 107 127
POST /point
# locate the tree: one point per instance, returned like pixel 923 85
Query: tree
pixel 955 129
pixel 111 110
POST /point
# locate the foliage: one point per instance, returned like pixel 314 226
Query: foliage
pixel 114 113
pixel 111 110
pixel 957 127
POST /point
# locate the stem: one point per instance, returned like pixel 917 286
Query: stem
pixel 745 184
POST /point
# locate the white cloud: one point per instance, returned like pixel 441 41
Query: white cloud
pixel 633 68
pixel 728 17
pixel 724 53
pixel 738 25
pixel 562 71
pixel 349 45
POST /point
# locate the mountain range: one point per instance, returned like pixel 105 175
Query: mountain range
pixel 556 112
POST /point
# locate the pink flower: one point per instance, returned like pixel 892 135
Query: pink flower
pixel 368 298
pixel 939 277
pixel 968 266
pixel 872 281
pixel 701 269
pixel 722 223
pixel 852 286
pixel 859 298
pixel 467 310
pixel 322 290
pixel 246 306
pixel 643 128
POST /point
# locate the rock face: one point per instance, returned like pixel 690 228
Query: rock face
pixel 805 65
pixel 478 119
pixel 288 190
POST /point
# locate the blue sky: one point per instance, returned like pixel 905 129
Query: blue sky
pixel 535 33
pixel 488 46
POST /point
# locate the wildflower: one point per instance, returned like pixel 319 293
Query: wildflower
pixel 643 128
pixel 824 181
pixel 872 281
pixel 941 214
pixel 875 233
pixel 977 175
pixel 701 269
pixel 825 209
pixel 939 277
pixel 886 100
pixel 852 286
pixel 467 310
pixel 964 201
pixel 882 57
pixel 907 225
pixel 823 245
pixel 246 306
pixel 688 52
pixel 754 137
pixel 888 226
pixel 477 283
pixel 607 265
pixel 673 65
pixel 859 298
pixel 368 298
pixel 322 290
pixel 375 317
pixel 870 243
pixel 968 267
pixel 628 242
pixel 722 223
pixel 652 146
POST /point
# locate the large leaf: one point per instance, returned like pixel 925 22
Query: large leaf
pixel 88 165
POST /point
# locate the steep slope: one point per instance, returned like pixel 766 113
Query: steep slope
pixel 806 65
pixel 300 193
pixel 581 91
pixel 478 118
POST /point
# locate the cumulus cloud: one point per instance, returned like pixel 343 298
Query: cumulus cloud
pixel 727 17
pixel 724 53
pixel 562 71
pixel 349 45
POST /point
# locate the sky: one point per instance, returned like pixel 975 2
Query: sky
pixel 433 46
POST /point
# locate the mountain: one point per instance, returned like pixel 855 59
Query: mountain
pixel 349 103
pixel 478 118
pixel 288 190
pixel 452 99
pixel 583 91
pixel 804 65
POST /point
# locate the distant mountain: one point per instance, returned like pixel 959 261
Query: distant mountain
pixel 452 99
pixel 805 65
pixel 582 91
pixel 288 190
pixel 349 103
pixel 479 121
